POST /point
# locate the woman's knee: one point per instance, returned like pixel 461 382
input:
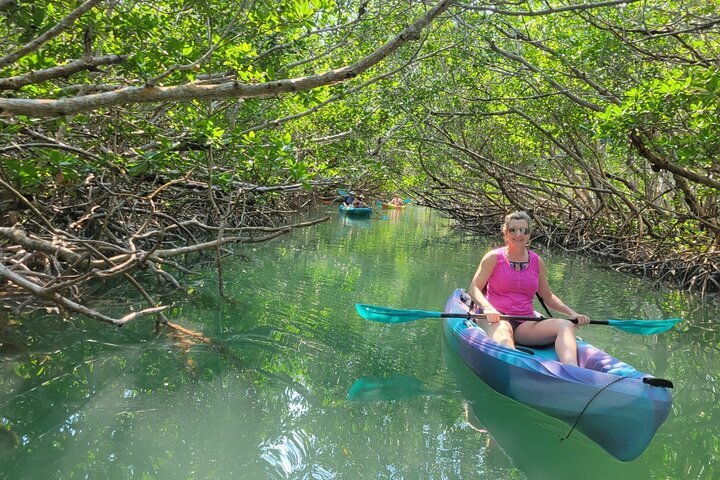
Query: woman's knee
pixel 560 325
pixel 566 326
pixel 503 333
pixel 547 331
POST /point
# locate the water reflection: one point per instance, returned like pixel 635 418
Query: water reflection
pixel 287 453
pixel 357 222
pixel 393 215
pixel 533 441
pixel 397 387
pixel 269 398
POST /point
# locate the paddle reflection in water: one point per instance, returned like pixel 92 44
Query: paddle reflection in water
pixel 397 387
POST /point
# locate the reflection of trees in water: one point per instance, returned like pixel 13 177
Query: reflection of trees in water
pixel 8 439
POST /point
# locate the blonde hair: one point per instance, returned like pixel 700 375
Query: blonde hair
pixel 517 216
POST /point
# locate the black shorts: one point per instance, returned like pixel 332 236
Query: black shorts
pixel 475 308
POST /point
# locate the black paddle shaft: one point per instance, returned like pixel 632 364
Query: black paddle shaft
pixel 470 316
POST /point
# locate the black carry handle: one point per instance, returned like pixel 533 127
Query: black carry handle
pixel 658 382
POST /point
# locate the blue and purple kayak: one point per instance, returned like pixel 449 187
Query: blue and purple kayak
pixel 356 211
pixel 607 400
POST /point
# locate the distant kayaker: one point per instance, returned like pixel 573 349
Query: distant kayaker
pixel 505 283
pixel 358 202
pixel 397 201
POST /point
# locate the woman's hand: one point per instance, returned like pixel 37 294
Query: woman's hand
pixel 492 315
pixel 581 319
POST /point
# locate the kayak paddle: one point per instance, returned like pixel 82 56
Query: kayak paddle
pixel 397 315
pixel 382 217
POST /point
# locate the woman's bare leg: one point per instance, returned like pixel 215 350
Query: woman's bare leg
pixel 553 330
pixel 501 331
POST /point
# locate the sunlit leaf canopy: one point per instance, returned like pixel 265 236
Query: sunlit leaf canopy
pixel 628 64
pixel 206 45
pixel 601 118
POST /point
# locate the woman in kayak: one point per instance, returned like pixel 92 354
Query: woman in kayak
pixel 396 201
pixel 505 283
pixel 359 202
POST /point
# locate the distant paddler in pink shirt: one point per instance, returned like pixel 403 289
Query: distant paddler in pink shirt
pixel 396 201
pixel 510 277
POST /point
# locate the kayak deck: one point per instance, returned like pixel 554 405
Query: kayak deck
pixel 390 206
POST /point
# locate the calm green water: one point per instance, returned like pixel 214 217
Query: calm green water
pixel 270 400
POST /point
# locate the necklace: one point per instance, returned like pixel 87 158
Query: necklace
pixel 517 266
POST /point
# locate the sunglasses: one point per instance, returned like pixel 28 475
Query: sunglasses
pixel 520 230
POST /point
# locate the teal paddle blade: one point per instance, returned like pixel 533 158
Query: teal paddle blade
pixel 644 327
pixel 392 315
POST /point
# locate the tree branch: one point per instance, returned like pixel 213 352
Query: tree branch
pixel 567 8
pixel 64 24
pixel 233 89
pixel 41 292
pixel 74 66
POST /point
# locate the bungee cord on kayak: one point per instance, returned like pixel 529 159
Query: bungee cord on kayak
pixel 572 429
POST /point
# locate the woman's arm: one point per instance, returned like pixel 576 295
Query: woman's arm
pixel 484 270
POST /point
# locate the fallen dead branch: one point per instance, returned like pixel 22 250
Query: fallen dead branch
pixel 119 234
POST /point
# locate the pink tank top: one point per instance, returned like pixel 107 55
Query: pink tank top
pixel 512 291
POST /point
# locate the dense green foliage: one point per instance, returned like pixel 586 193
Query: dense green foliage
pixel 602 119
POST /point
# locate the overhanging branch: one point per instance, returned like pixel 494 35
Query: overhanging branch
pixel 231 89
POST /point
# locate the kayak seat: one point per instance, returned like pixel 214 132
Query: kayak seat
pixel 539 347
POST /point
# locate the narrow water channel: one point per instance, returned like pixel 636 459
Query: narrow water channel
pixel 298 386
